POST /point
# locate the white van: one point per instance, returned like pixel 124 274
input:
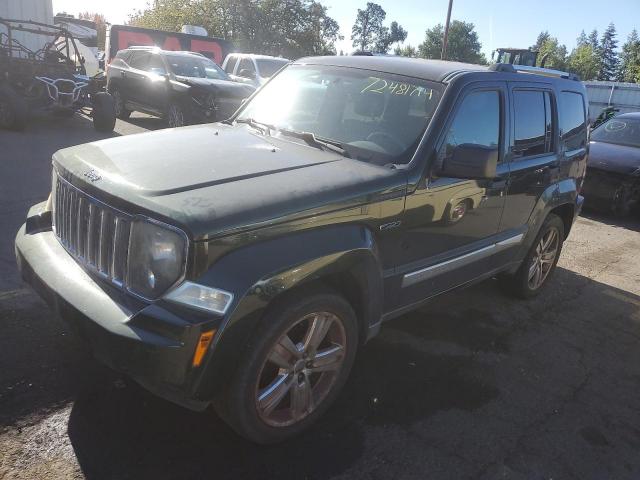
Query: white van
pixel 252 69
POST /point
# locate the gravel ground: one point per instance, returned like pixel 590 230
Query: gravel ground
pixel 474 385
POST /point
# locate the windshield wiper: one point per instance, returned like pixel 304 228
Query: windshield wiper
pixel 312 140
pixel 263 127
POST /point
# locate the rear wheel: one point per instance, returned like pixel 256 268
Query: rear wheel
pixel 540 262
pixel 294 370
pixel 13 109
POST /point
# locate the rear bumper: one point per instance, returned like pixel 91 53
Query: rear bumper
pixel 151 343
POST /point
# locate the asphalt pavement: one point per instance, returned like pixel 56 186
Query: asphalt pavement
pixel 474 385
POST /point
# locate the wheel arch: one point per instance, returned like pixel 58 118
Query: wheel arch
pixel 343 259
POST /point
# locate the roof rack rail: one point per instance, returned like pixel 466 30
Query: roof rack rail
pixel 143 47
pixel 547 72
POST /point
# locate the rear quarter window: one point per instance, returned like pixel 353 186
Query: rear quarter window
pixel 573 121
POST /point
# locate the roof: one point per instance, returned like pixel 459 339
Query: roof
pixel 436 70
pixel 255 55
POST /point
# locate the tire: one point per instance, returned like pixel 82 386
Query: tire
pixel 104 112
pixel 521 284
pixel 14 111
pixel 260 404
pixel 176 116
pixel 119 103
pixel 454 213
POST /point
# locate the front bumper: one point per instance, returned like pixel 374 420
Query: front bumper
pixel 151 343
pixel 605 190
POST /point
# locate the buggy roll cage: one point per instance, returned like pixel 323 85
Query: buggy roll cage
pixel 14 50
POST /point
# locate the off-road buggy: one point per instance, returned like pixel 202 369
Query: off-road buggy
pixel 52 78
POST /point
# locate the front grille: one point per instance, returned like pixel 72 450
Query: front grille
pixel 96 235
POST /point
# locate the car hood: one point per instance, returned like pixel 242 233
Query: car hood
pixel 214 178
pixel 614 158
pixel 230 87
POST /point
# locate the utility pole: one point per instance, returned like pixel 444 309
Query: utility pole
pixel 443 56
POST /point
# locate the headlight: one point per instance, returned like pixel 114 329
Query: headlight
pixel 157 257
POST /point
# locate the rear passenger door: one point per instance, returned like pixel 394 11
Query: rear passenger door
pixel 533 151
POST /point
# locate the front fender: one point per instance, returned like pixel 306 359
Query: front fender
pixel 259 274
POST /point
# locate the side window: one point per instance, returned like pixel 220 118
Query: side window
pixel 156 65
pixel 533 123
pixel 231 62
pixel 572 120
pixel 123 56
pixel 139 60
pixel 246 64
pixel 477 121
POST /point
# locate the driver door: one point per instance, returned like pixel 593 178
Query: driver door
pixel 449 223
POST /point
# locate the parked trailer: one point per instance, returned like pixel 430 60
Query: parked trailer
pixel 120 37
pixel 625 97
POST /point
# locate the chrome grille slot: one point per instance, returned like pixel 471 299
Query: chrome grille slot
pixel 96 235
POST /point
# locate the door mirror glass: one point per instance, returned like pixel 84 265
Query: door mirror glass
pixel 471 161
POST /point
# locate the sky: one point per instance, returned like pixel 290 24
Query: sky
pixel 499 23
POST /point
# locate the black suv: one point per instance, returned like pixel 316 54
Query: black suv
pixel 242 264
pixel 181 87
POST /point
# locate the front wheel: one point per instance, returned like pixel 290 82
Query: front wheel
pixel 540 262
pixel 104 112
pixel 295 369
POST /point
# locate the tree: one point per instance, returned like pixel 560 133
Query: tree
pixel 406 51
pixel 292 28
pixel 464 45
pixel 368 29
pixel 594 40
pixel 369 33
pixel 542 37
pixel 552 53
pixel 630 59
pixel 101 26
pixel 609 61
pixel 398 34
pixel 582 39
pixel 583 61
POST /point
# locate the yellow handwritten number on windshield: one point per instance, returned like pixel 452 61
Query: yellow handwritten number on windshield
pixel 379 85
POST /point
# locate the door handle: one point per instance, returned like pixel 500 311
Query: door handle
pixel 542 169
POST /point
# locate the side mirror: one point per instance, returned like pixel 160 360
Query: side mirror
pixel 471 161
pixel 246 73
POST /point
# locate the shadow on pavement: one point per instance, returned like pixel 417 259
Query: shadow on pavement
pixel 472 372
pixel 631 222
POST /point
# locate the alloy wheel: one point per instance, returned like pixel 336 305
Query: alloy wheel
pixel 544 258
pixel 300 369
pixel 175 117
pixel 118 103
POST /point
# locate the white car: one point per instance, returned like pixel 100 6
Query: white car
pixel 252 69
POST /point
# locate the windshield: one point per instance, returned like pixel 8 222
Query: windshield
pixel 621 131
pixel 268 67
pixel 195 66
pixel 374 116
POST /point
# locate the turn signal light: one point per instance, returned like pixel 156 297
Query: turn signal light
pixel 201 348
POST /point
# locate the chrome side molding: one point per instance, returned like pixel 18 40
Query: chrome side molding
pixel 423 274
